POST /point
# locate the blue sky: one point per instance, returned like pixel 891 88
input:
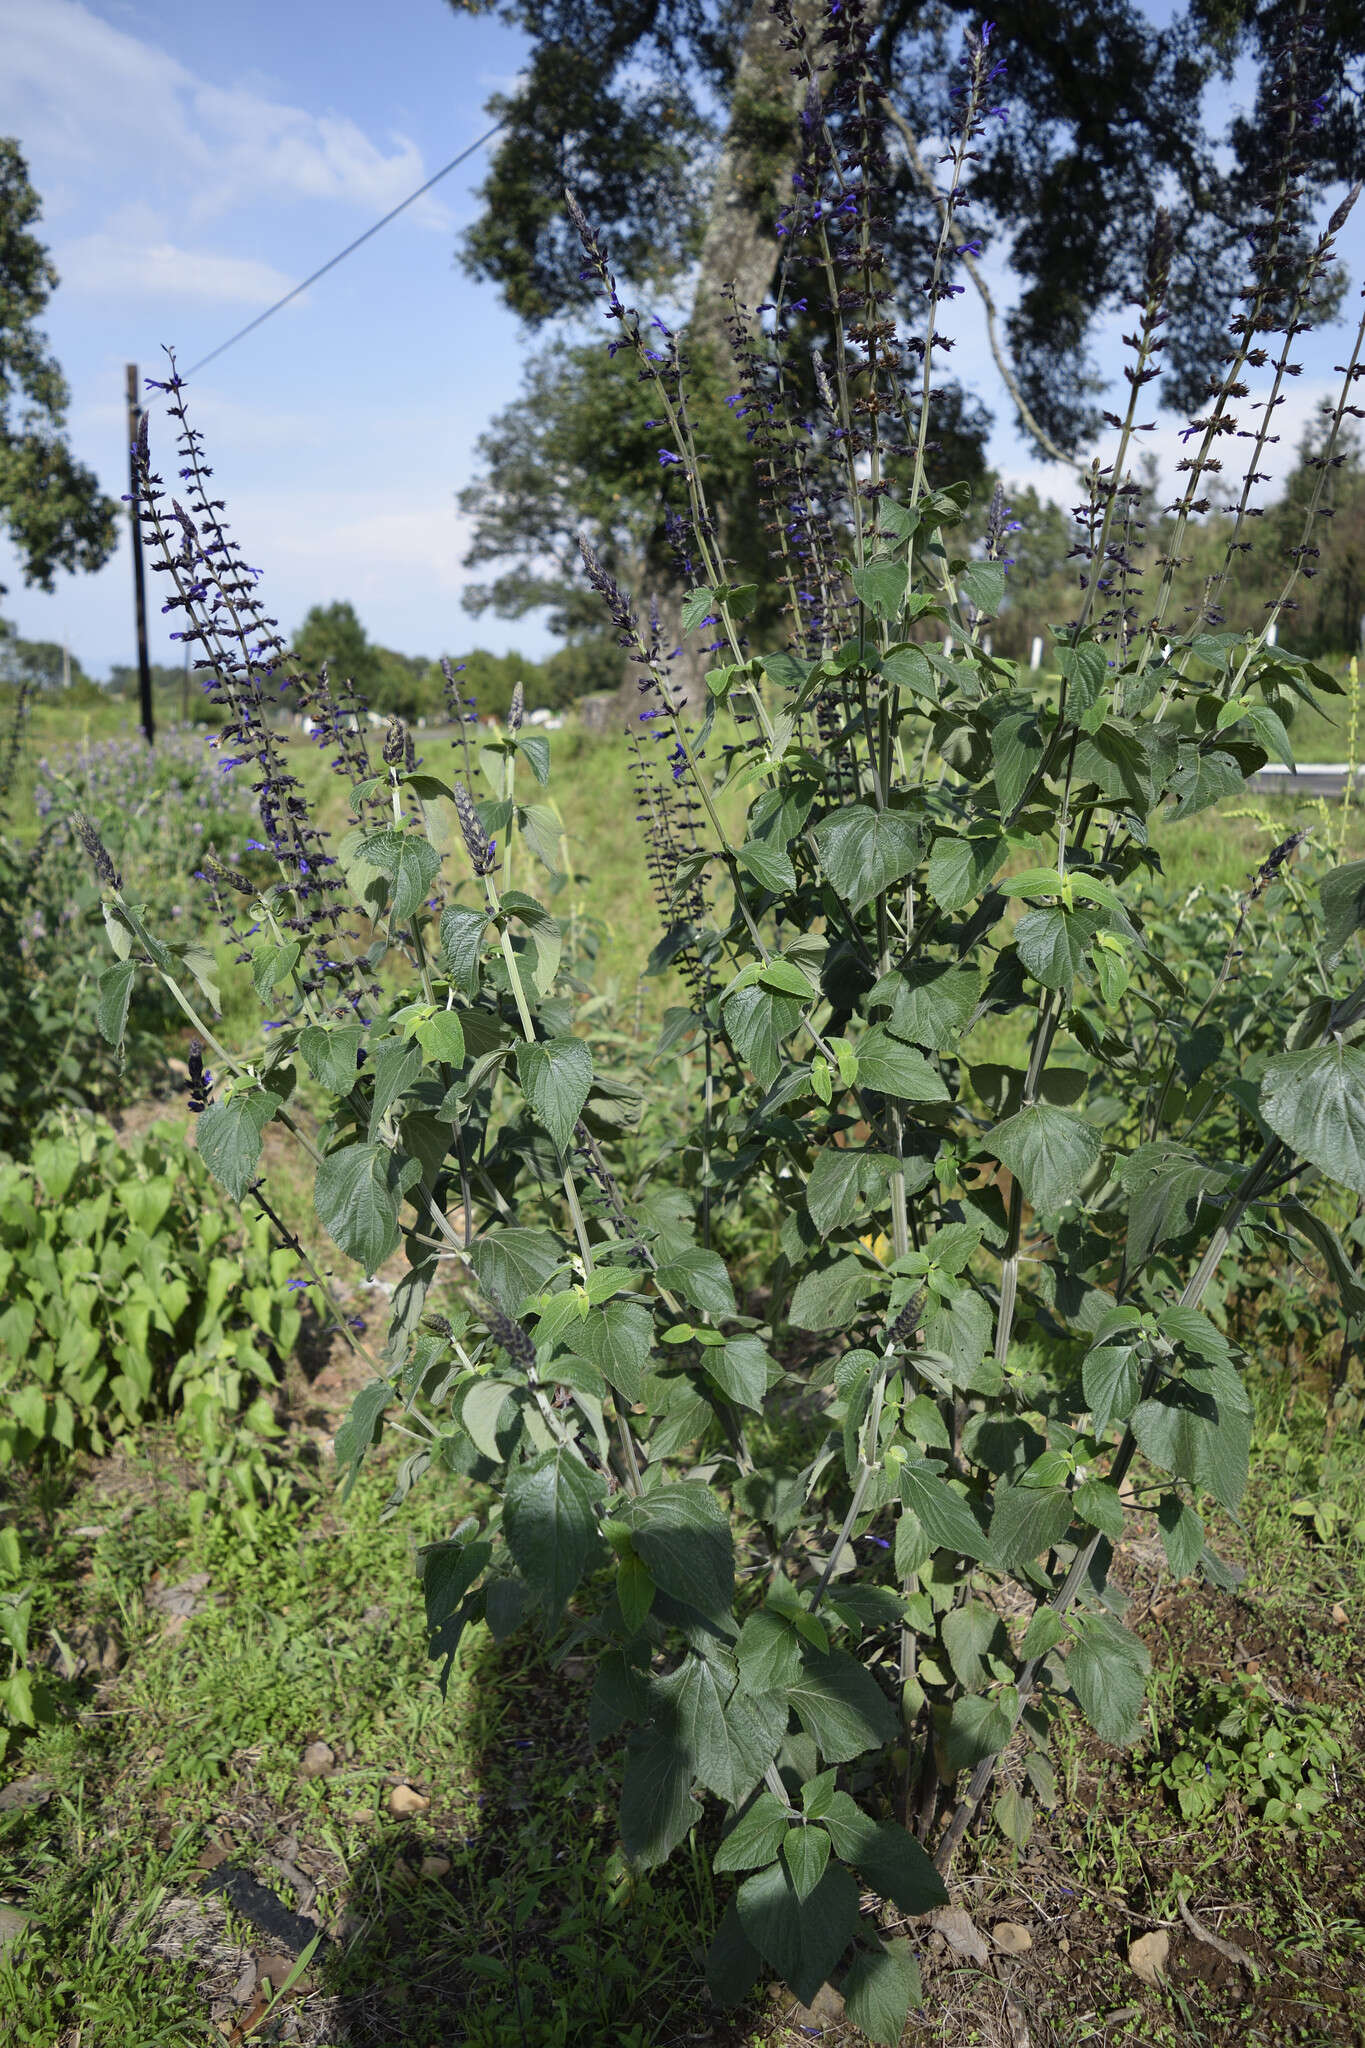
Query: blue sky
pixel 194 164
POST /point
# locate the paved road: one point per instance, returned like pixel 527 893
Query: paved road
pixel 1314 778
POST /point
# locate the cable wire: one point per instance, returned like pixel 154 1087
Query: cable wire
pixel 393 214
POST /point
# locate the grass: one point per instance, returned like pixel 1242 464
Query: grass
pixel 527 1929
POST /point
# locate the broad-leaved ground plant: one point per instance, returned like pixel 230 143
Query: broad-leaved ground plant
pixel 840 1537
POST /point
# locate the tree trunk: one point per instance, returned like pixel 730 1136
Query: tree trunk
pixel 739 247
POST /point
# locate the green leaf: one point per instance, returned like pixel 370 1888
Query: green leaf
pixel 331 1054
pixel 1086 672
pixel 482 1412
pixel 1016 750
pixel 979 1726
pixel 1182 1534
pixel 1049 1151
pixel 740 1369
pixel 905 668
pixel 759 1022
pixel 983 585
pixel 682 1534
pixel 549 1522
pixel 461 942
pixel 1107 1669
pixel 1342 894
pixel 115 987
pixel 1186 1431
pixel 826 1298
pixel 968 1634
pixel 513 1263
pixel 356 1194
pixel 536 748
pixel 864 851
pixel 802 1939
pixel 272 964
pixel 556 1077
pixel 733 1964
pixel 769 1654
pixel 1054 943
pixel 1315 1101
pixel 931 1001
pixel 411 864
pixel 756 1838
pixel 806 1853
pixel 1026 1521
pixel 442 1038
pixel 546 937
pixel 881 586
pixel 1203 779
pixel 1165 1185
pixel 892 1068
pixel 700 1277
pixel 1098 1504
pixel 358 1431
pixel 892 1861
pixel 730 1736
pixel 841 1181
pixel 657 1807
pixel 881 1988
pixel 960 868
pixel 841 1706
pixel 1268 727
pixel 943 1515
pixel 394 1067
pixel 697 605
pixel 616 1339
pixel 229 1136
pixel 769 865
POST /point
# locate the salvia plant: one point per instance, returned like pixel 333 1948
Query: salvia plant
pixel 838 1526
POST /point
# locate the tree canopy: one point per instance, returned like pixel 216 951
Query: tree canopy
pixel 677 124
pixel 52 505
pixel 640 105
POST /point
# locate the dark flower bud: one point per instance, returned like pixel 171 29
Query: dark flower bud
pixel 513 1339
pixel 438 1326
pixel 518 709
pixel 393 743
pixel 97 850
pixel 478 845
pixel 225 877
pixel 907 1322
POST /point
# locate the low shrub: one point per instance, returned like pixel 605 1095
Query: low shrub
pixel 132 1289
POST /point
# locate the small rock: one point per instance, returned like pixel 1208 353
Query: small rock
pixel 21 1792
pixel 319 1760
pixel 402 1873
pixel 824 2010
pixel 1147 1956
pixel 1340 1618
pixel 435 1866
pixel 245 1986
pixel 180 1601
pixel 12 1925
pixel 961 1933
pixel 402 1799
pixel 1010 1938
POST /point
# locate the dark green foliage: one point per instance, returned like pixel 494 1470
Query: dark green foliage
pixel 52 506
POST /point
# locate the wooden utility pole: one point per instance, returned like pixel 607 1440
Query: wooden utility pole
pixel 144 671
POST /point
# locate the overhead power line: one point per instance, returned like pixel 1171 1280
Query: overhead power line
pixel 342 254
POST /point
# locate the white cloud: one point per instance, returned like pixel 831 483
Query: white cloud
pixel 90 98
pixel 117 266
